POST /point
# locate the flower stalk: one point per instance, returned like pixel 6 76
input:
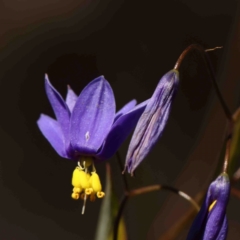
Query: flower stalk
pixel 210 69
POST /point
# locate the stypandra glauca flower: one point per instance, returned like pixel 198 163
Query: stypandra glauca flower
pixel 87 129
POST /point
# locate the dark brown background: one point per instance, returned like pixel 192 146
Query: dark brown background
pixel 132 43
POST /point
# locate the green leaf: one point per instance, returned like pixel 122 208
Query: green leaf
pixel 108 212
pixel 105 215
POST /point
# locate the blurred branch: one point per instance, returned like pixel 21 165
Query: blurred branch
pixel 235 192
pixel 236 176
pixel 175 230
pixel 143 190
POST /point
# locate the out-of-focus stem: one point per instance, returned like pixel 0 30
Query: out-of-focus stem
pixel 176 229
pixel 143 190
pixel 235 192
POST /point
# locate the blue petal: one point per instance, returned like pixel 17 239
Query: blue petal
pixel 92 116
pixel 211 225
pixel 224 230
pixel 120 131
pixel 197 229
pixel 219 189
pixel 71 98
pixel 153 120
pixel 60 108
pixel 52 131
pixel 126 108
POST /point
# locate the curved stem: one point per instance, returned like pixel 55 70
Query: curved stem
pixel 143 190
pixel 212 74
pixel 227 154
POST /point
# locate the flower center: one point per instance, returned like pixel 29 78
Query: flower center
pixel 86 183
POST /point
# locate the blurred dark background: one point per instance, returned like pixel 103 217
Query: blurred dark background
pixel 132 43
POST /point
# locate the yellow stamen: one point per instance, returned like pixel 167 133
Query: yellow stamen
pixel 75 196
pixel 77 190
pixel 88 176
pixel 80 179
pixel 212 205
pixel 100 194
pixel 95 182
pixel 84 184
pixel 88 191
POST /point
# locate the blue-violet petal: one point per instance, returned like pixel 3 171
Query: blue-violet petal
pixel 92 116
pixel 52 131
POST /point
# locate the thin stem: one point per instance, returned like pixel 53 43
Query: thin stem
pixel 144 190
pixel 212 74
pixel 152 188
pixel 227 154
pixel 121 168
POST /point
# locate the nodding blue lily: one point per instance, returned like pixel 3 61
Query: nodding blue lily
pixel 211 221
pixel 153 120
pixel 87 129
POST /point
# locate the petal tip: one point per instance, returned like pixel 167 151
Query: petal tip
pixel 46 77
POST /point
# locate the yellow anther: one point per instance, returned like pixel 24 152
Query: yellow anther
pixel 95 182
pixel 77 190
pixel 80 179
pixel 75 196
pixel 100 194
pixel 212 205
pixel 86 185
pixel 88 191
pixel 88 176
pixel 92 197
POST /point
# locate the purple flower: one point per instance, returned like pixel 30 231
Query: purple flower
pixel 87 125
pixel 153 120
pixel 87 129
pixel 211 221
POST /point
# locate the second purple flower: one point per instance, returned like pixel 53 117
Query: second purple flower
pixel 153 120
